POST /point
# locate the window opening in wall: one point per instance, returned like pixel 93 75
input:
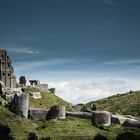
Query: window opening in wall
pixel 3 74
pixel 8 64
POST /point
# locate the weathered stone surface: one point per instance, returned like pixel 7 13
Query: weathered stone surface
pixel 35 95
pixel 83 115
pixel 101 118
pixel 6 70
pixel 9 91
pixel 9 98
pixel 57 112
pixel 129 116
pixel 132 123
pixel 37 113
pixel 117 119
pixel 20 104
pixel 43 87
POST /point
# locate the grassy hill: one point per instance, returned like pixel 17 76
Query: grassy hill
pixel 20 127
pixel 128 103
pixel 47 100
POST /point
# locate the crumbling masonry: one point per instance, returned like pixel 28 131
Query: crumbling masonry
pixel 6 70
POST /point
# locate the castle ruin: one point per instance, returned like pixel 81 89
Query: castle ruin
pixel 6 70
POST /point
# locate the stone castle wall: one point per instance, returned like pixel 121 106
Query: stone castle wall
pixel 6 70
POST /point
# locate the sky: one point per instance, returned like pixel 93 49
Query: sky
pixel 86 49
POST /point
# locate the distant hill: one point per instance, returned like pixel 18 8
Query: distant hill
pixel 128 103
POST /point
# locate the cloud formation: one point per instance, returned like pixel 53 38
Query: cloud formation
pixel 85 91
pixel 22 50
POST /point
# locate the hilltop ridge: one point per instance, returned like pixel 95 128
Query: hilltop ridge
pixel 127 103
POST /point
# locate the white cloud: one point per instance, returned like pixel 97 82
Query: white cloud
pixel 132 61
pixel 85 91
pixel 22 50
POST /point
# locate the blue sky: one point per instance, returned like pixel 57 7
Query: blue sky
pixel 69 43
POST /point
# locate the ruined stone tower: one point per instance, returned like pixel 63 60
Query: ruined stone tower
pixel 6 70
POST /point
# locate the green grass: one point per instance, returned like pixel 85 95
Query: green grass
pixel 74 128
pixel 20 127
pixel 70 128
pixel 48 99
pixel 128 103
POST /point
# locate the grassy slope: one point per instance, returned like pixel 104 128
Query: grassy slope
pixel 47 100
pixel 128 103
pixel 19 126
pixel 71 128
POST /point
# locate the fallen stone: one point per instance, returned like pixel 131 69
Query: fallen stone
pixel 117 119
pixel 132 123
pixel 37 113
pixel 102 118
pixel 83 115
pixel 57 112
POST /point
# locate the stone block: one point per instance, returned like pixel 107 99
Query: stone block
pixel 37 113
pixel 102 118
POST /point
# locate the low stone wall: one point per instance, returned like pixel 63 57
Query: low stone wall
pixel 37 113
pixel 83 115
pixel 43 87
